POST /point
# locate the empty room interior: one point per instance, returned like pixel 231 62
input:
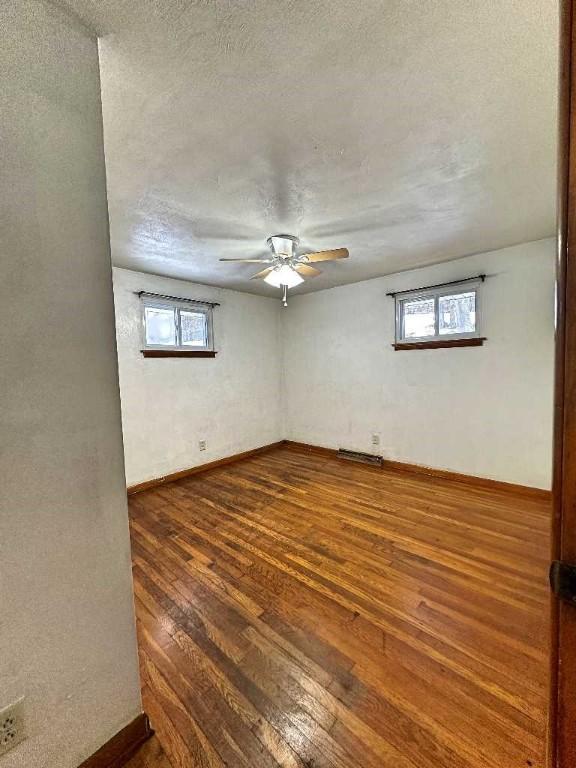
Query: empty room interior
pixel 278 338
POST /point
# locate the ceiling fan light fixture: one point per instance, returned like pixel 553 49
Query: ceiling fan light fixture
pixel 283 275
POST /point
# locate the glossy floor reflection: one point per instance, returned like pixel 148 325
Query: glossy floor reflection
pixel 297 610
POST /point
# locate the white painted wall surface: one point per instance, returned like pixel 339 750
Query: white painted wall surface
pixel 168 405
pixel 67 639
pixel 483 411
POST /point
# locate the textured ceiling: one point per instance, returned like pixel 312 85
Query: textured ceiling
pixel 409 131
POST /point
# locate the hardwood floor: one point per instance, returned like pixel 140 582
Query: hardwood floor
pixel 302 611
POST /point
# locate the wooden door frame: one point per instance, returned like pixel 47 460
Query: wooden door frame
pixel 562 716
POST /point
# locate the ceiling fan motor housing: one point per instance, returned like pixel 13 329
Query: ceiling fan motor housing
pixel 283 246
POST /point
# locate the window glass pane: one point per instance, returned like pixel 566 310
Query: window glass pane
pixel 457 313
pixel 194 329
pixel 160 326
pixel 418 318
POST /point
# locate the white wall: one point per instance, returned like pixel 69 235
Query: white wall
pixel 67 639
pixel 168 405
pixel 484 411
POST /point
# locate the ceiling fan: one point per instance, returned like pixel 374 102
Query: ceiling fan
pixel 287 268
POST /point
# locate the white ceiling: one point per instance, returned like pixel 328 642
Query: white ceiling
pixel 409 131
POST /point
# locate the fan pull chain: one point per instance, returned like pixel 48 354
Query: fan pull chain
pixel 285 295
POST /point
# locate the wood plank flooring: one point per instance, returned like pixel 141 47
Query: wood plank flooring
pixel 297 610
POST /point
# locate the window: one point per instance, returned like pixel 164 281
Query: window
pixel 178 326
pixel 445 315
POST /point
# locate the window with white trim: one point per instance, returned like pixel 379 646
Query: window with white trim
pixel 176 324
pixel 442 313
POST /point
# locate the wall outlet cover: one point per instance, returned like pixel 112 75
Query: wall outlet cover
pixel 202 445
pixel 12 726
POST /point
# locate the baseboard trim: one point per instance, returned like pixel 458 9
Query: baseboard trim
pixel 442 474
pixel 481 482
pixel 388 464
pixel 132 489
pixel 307 448
pixel 121 747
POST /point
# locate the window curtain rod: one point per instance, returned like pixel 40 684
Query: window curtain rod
pixel 438 285
pixel 177 298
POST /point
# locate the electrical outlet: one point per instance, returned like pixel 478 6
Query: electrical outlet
pixel 202 445
pixel 375 439
pixel 12 730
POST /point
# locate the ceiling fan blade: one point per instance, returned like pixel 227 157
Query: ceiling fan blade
pixel 262 274
pixel 338 253
pixel 250 261
pixel 307 271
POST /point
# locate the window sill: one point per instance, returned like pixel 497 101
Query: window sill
pixel 441 343
pixel 178 353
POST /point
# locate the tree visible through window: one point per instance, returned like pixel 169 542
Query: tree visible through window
pixel 457 313
pixel 194 328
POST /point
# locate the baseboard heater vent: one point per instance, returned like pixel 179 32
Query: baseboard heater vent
pixel 364 458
